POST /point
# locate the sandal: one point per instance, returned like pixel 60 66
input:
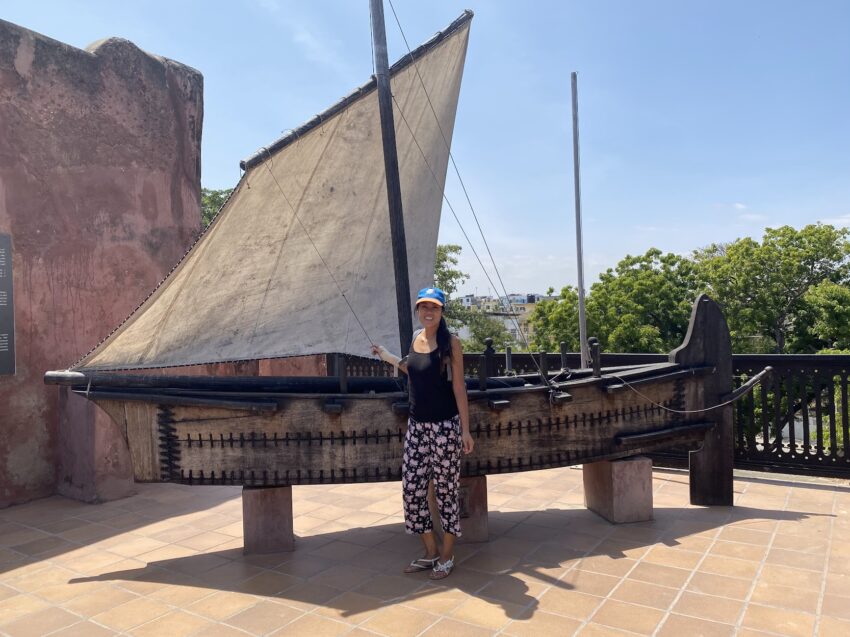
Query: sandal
pixel 441 571
pixel 421 564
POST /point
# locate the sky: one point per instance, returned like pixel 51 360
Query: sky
pixel 700 122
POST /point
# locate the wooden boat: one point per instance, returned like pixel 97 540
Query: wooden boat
pixel 302 241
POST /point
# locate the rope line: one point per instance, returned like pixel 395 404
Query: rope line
pixel 321 258
pixel 676 411
pixel 511 311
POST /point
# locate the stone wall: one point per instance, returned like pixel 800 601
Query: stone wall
pixel 99 190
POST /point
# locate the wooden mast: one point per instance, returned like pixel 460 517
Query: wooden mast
pixel 385 104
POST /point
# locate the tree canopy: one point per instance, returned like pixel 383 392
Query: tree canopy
pixel 211 203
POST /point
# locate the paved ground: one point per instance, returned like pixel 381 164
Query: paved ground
pixel 168 561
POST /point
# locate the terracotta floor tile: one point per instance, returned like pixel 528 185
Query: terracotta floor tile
pixel 490 562
pixel 680 626
pixel 40 623
pixel 542 623
pixel 509 588
pixel 313 625
pixel 598 630
pixel 19 605
pixel 489 614
pixel 738 550
pixel 304 565
pixel 607 565
pixel 744 535
pixel 454 628
pixel 570 603
pixel 639 619
pixel 645 594
pixel 838 584
pixel 590 583
pixel 84 629
pixel 676 557
pixel 181 596
pixel 220 606
pixel 400 621
pixel 777 620
pixel 795 543
pixel 795 559
pixel 175 624
pixel 131 614
pixel 264 617
pixel 350 607
pixel 389 586
pixel 782 575
pixel 786 597
pixel 307 596
pixel 343 576
pixel 659 574
pixel 719 585
pixel 730 567
pixel 435 599
pixel 832 627
pixel 204 541
pixel 717 609
pixel 267 583
pixel 98 601
pixel 32 582
pixel 836 606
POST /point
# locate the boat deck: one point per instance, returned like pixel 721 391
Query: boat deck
pixel 169 561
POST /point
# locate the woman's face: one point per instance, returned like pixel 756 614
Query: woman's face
pixel 429 313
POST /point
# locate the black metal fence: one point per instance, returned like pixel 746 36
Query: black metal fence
pixel 797 422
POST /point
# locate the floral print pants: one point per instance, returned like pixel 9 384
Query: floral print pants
pixel 431 450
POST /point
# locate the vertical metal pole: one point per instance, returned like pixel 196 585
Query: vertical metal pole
pixel 385 105
pixel 582 322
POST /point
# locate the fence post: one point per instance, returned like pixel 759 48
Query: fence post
pixel 563 355
pixel 508 361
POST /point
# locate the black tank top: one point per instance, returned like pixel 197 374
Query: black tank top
pixel 431 396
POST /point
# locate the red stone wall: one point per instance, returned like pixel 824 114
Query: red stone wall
pixel 99 190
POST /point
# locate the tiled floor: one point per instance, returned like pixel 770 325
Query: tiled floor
pixel 168 561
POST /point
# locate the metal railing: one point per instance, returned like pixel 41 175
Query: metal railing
pixel 798 421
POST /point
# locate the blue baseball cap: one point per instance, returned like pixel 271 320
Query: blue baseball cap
pixel 434 295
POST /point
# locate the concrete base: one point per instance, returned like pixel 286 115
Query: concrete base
pixel 267 519
pixel 619 490
pixel 472 498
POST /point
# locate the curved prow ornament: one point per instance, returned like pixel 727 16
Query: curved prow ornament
pixel 707 343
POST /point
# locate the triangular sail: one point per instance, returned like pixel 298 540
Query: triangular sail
pixel 254 286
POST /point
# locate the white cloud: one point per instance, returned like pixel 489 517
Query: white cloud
pixel 740 206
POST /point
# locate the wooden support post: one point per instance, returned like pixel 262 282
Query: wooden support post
pixel 563 347
pixel 619 490
pixel 267 519
pixel 707 343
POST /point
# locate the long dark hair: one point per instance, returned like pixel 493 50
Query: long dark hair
pixel 444 340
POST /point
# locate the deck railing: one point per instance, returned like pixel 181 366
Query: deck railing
pixel 798 421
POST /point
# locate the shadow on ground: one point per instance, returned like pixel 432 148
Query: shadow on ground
pixel 359 569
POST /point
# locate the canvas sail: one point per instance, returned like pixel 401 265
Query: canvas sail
pixel 308 221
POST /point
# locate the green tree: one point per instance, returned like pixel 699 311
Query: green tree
pixel 763 286
pixel 449 278
pixel 643 304
pixel 211 203
pixel 481 326
pixel 828 306
pixel 556 321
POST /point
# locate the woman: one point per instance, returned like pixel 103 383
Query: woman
pixel 437 431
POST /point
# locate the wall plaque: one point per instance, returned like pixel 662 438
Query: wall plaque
pixel 7 308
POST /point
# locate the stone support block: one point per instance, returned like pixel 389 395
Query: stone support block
pixel 619 490
pixel 267 519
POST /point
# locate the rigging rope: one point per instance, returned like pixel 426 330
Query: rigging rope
pixel 321 258
pixel 671 410
pixel 511 312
